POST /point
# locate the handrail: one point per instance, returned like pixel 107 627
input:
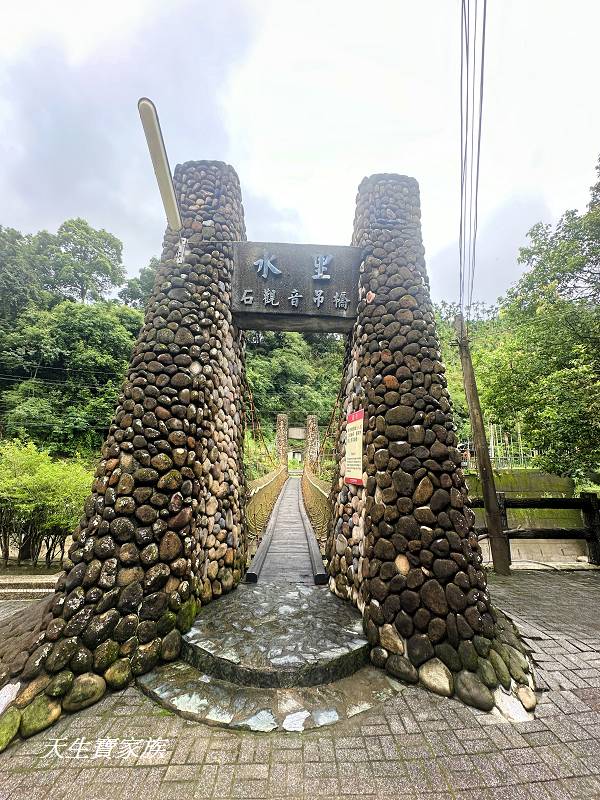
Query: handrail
pixel 261 497
pixel 318 507
pixel 538 502
pixel 320 485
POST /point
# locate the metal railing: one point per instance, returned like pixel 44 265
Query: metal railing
pixel 315 494
pixel 260 499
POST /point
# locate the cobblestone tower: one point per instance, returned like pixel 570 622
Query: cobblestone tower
pixel 403 548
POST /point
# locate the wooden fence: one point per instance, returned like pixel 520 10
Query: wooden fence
pixel 587 502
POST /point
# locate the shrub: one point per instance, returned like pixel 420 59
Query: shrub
pixel 40 500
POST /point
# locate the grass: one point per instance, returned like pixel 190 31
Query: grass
pixel 27 568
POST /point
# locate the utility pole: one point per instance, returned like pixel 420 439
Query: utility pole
pixel 499 543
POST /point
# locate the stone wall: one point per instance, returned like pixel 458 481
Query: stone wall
pixel 534 483
pixel 163 530
pixel 403 548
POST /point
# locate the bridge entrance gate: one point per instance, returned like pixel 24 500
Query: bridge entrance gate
pixel 164 530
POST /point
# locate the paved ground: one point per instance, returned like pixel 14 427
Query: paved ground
pixel 261 630
pixel 288 558
pixel 413 746
pixel 558 616
pixel 9 607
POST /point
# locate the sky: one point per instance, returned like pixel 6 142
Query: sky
pixel 304 98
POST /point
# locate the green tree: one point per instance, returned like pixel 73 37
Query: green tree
pixel 22 279
pixel 85 262
pixel 40 499
pixel 482 320
pixel 290 374
pixel 60 370
pixel 538 363
pixel 137 291
pixel 564 261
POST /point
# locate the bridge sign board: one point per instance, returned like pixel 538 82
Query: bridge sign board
pixel 295 287
pixel 354 447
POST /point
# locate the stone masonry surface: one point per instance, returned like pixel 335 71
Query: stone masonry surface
pixel 402 547
pixel 163 531
pixel 416 745
pixel 266 630
pixel 311 443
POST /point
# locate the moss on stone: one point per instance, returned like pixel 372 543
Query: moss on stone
pixel 500 668
pixel 39 715
pixel 118 674
pixel 31 690
pixel 9 725
pixel 487 673
pixel 145 657
pixel 166 623
pixel 105 654
pixel 60 683
pixel 87 689
pixel 186 615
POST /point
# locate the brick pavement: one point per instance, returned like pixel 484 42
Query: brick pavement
pixel 416 745
pixel 10 607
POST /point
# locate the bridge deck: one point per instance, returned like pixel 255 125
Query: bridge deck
pixel 288 555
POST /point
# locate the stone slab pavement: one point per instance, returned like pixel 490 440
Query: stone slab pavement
pixel 414 746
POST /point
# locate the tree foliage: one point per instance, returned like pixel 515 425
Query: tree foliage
pixel 536 359
pixel 64 345
pixel 60 370
pixel 23 278
pixel 137 291
pixel 79 262
pixel 294 374
pixel 85 262
pixel 40 498
pixel 564 262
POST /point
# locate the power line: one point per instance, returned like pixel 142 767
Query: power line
pixel 472 59
pixel 478 150
pixel 27 379
pixel 74 369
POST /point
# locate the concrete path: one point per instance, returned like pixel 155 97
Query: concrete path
pixel 288 558
pixel 15 586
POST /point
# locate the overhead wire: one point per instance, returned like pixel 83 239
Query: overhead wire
pixel 476 205
pixel 472 60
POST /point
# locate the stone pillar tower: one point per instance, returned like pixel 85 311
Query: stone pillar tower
pixel 163 530
pixel 311 444
pixel 281 439
pixel 403 548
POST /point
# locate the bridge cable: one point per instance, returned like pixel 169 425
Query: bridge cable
pixel 330 424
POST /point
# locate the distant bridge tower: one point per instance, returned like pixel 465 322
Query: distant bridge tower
pixel 311 443
pixel 281 439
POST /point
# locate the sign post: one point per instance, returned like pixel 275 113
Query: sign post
pixel 354 448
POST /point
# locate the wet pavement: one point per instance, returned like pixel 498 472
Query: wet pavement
pixel 412 745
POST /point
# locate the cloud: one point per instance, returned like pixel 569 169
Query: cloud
pixel 331 92
pixel 498 243
pixel 304 98
pixel 72 144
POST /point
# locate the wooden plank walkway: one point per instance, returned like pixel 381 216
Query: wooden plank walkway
pixel 288 557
